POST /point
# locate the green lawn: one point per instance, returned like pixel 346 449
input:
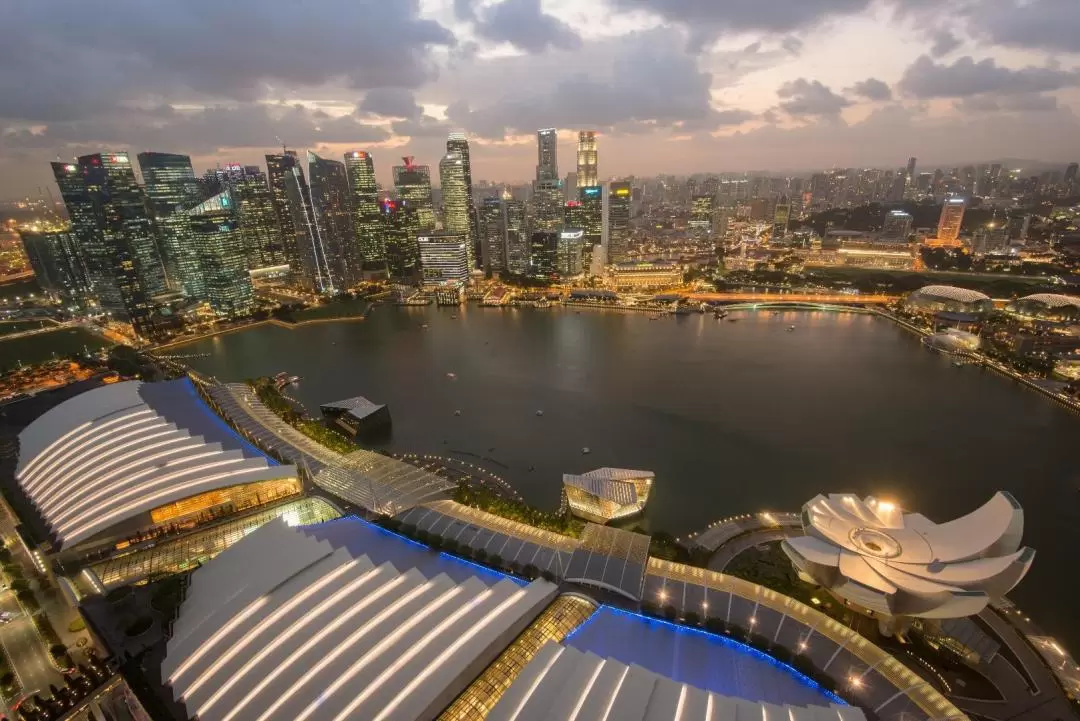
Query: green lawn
pixel 42 346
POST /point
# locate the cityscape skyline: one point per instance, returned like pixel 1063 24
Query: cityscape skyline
pixel 970 81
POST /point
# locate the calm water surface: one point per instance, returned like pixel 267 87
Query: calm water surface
pixel 732 417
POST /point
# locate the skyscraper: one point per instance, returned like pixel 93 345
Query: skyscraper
pixel 333 216
pixel 781 216
pixel 399 223
pixel 108 211
pixel 219 249
pixel 547 204
pixel 458 143
pixel 279 169
pixel 311 270
pixel 952 217
pixel 53 252
pixel 444 258
pixel 586 159
pixel 702 212
pixel 618 221
pixel 1069 180
pixel 547 154
pixel 413 185
pixel 897 226
pixel 366 218
pixel 543 254
pixel 517 240
pixel 592 212
pixel 172 189
pixel 568 255
pixel 455 199
pixel 254 205
pixel 493 235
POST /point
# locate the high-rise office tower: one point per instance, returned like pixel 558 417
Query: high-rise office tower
pixel 311 271
pixel 399 224
pixel 574 214
pixel 367 220
pixel 547 154
pixel 492 235
pixel 171 188
pixel 702 213
pixel 279 172
pixel 517 240
pixel 586 159
pixel 222 258
pixel 1069 180
pixel 592 213
pixel 108 211
pixel 568 255
pixel 254 209
pixel 444 258
pixel 53 252
pixel 781 217
pixel 897 226
pixel 413 185
pixel 333 216
pixel 543 254
pixel 547 205
pixel 618 222
pixel 458 143
pixel 455 198
pixel 570 186
pixel 952 217
pixel 910 174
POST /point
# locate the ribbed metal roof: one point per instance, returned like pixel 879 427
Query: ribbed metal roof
pixel 1052 300
pixel 962 295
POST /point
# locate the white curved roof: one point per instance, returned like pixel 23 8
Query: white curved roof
pixel 961 295
pixel 282 626
pixel 904 564
pixel 613 484
pixel 120 450
pixel 1052 300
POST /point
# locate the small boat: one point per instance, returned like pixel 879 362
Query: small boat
pixel 586 451
pixel 957 363
pixel 453 317
pixel 424 325
pixel 452 376
pixel 732 320
pixel 790 328
pixel 457 413
pixel 539 413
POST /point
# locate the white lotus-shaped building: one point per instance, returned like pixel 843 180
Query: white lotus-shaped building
pixel 895 564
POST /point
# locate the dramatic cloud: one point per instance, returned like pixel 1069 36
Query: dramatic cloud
pixel 777 16
pixel 56 55
pixel 802 97
pixel 927 79
pixel 944 43
pixel 1052 25
pixel 523 24
pixel 1032 103
pixel 390 103
pixel 871 89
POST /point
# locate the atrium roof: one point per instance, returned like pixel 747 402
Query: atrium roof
pixel 612 559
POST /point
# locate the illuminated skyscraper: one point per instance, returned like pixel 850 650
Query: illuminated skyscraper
pixel 952 217
pixel 702 213
pixel 108 211
pixel 781 217
pixel 53 252
pixel 279 169
pixel 543 254
pixel 444 258
pixel 517 240
pixel 219 250
pixel 547 205
pixel 458 143
pixel 586 159
pixel 455 198
pixel 413 185
pixel 310 271
pixel 172 189
pixel 366 218
pixel 592 213
pixel 254 204
pixel 568 256
pixel 402 253
pixel 618 222
pixel 493 235
pixel 330 201
pixel 547 154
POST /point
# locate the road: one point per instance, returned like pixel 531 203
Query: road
pixel 28 656
pixel 728 551
pixel 795 298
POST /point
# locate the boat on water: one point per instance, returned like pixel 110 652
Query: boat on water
pixel 732 320
pixel 539 413
pixel 586 451
pixel 790 328
pixel 452 376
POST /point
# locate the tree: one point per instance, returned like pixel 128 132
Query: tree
pixel 481 555
pixel 715 625
pixel 670 613
pixel 530 571
pixel 691 618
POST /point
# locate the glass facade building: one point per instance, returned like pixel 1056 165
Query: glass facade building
pixel 568 261
pixel 455 198
pixel 493 235
pixel 222 261
pixel 591 198
pixel 618 221
pixel 334 230
pixel 543 254
pixel 53 252
pixel 366 219
pixel 517 240
pixel 458 143
pixel 444 258
pixel 171 188
pixel 279 170
pixel 399 223
pixel 413 185
pixel 264 246
pixel 586 159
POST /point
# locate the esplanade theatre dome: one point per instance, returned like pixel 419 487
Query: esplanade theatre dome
pixel 1046 306
pixel 948 299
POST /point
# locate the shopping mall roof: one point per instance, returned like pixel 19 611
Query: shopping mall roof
pixel 120 450
pixel 562 682
pixel 282 625
pixel 612 559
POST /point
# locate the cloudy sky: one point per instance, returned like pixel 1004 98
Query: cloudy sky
pixel 672 86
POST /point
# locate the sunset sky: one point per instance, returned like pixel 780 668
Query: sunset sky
pixel 672 86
